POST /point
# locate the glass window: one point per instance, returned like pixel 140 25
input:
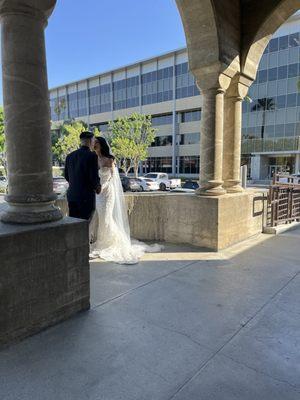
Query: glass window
pixel 282 72
pixel 291 100
pixel 158 164
pixel 185 82
pixel 279 130
pixel 273 45
pixel 190 138
pixel 289 129
pixel 269 131
pixel 262 76
pixel 294 39
pixel 272 74
pixel 82 103
pixel 292 70
pixel 162 141
pixel 283 42
pixel 189 165
pixel 73 105
pixel 281 101
pixel 166 119
pixel 190 116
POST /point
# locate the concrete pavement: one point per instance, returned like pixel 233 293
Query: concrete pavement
pixel 182 325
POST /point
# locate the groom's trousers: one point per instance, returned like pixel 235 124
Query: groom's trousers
pixel 81 209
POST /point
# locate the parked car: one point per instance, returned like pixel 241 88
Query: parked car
pixel 143 184
pixel 163 180
pixel 130 184
pixel 150 184
pixel 187 187
pixel 192 185
pixel 60 185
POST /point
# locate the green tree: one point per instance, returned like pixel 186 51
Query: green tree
pixel 266 104
pixel 3 162
pixel 69 139
pixel 130 138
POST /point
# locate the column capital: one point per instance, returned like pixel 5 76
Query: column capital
pixel 37 9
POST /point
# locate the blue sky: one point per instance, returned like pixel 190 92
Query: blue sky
pixel 85 37
pixel 90 36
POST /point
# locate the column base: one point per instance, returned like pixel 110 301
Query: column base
pixel 233 186
pixel 212 188
pixel 33 213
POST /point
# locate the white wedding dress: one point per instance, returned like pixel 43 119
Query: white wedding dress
pixel 113 234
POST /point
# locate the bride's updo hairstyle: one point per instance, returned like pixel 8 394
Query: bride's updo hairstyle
pixel 105 149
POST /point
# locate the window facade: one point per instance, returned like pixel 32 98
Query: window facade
pixel 185 82
pixel 100 98
pixel 275 108
pixel 190 138
pixel 190 116
pixel 162 141
pixel 157 86
pixel 158 164
pixel 73 105
pixel 166 119
pixel 189 165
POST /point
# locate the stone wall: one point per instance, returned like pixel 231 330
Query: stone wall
pixel 44 276
pixel 210 222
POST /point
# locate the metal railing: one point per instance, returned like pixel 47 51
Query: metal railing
pixel 283 202
pixel 270 145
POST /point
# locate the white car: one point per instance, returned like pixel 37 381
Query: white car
pixel 163 180
pixel 150 184
pixel 143 184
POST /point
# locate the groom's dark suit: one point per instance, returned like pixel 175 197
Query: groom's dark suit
pixel 81 171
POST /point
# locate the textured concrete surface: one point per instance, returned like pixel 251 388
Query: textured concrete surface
pixel 44 276
pixel 182 325
pixel 211 222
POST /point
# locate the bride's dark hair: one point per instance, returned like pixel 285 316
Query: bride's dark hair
pixel 105 149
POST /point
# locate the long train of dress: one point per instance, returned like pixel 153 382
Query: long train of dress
pixel 113 234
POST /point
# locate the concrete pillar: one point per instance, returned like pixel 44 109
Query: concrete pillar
pixel 212 126
pixel 211 153
pixel 27 113
pixel 255 167
pixel 233 133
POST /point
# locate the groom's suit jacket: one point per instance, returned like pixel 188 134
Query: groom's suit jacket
pixel 81 171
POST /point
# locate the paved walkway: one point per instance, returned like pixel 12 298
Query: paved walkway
pixel 182 325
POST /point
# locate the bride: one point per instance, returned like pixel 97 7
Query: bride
pixel 113 236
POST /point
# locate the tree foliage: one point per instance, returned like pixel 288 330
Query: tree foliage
pixel 130 138
pixel 67 140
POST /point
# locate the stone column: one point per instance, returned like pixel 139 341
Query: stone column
pixel 233 135
pixel 211 152
pixel 27 114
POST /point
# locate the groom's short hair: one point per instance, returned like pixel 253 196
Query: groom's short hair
pixel 86 135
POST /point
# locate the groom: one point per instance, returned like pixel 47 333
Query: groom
pixel 81 171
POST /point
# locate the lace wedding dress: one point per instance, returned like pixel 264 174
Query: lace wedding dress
pixel 113 235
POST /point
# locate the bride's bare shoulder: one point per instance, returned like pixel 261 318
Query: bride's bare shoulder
pixel 107 162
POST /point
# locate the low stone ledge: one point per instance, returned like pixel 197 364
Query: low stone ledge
pixel 44 276
pixel 209 222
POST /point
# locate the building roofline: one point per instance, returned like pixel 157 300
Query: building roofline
pixel 294 17
pixel 106 72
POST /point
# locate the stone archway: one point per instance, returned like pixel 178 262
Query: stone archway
pixel 225 41
pixel 255 43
